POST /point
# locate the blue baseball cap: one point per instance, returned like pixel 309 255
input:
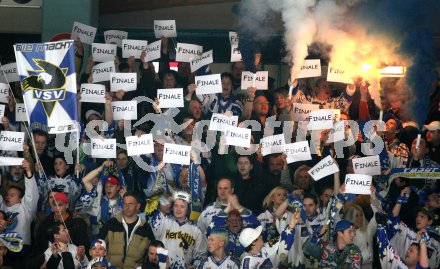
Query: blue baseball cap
pixel 342 225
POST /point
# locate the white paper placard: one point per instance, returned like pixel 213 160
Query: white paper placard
pixel 101 72
pixel 235 54
pixel 358 184
pixel 103 52
pixel 258 80
pixel 301 111
pixel 184 52
pixel 153 51
pixel 11 161
pixel 366 149
pixel 338 74
pixel 178 154
pixel 219 122
pixel 124 110
pixel 367 165
pixel 165 28
pixel 131 47
pixel 236 136
pixel 272 144
pixel 85 33
pixel 139 145
pixel 123 81
pixel 208 84
pixel 92 93
pixel 325 167
pixel 11 140
pixel 320 119
pixel 4 93
pixel 310 68
pixel 103 148
pixel 233 38
pixel 20 113
pixel 2 110
pixel 299 151
pixel 202 60
pixel 9 73
pixel 337 133
pixel 170 97
pixel 115 37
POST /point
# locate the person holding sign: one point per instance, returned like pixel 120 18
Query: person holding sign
pixel 321 95
pixel 221 102
pixel 186 245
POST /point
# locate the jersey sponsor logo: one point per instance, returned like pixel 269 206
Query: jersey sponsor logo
pixel 186 238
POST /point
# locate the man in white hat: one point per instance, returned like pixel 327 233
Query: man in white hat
pixel 259 254
pixel 185 242
pixel 433 138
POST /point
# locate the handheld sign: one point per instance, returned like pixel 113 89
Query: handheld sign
pixel 103 52
pixel 165 28
pixel 11 141
pixel 92 93
pixel 153 51
pixel 202 60
pixel 358 184
pixel 124 110
pixel 301 111
pixel 299 151
pixel 325 167
pixel 208 84
pixel 101 72
pixel 20 113
pixel 272 144
pixel 310 68
pixel 367 165
pixel 235 54
pixel 11 161
pixel 338 74
pixel 337 133
pixel 139 145
pixel 219 122
pixel 2 110
pixel 258 80
pixel 170 97
pixel 9 73
pixel 115 37
pixel 4 93
pixel 233 38
pixel 236 136
pixel 123 81
pixel 184 52
pixel 131 47
pixel 320 119
pixel 103 148
pixel 85 33
pixel 178 154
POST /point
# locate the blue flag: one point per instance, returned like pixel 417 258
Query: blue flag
pixel 48 80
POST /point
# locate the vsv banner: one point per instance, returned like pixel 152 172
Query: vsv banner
pixel 48 80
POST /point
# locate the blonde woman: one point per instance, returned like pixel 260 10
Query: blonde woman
pixel 268 220
pixel 365 231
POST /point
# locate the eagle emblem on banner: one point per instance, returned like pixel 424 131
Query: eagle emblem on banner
pixel 48 84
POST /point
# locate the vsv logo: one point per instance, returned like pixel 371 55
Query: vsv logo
pixel 48 84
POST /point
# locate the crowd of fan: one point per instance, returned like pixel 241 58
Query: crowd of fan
pixel 251 211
